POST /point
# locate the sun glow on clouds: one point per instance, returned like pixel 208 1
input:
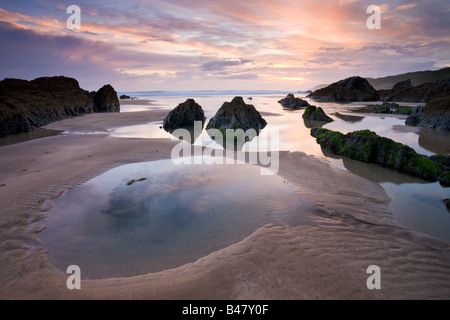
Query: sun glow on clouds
pixel 175 44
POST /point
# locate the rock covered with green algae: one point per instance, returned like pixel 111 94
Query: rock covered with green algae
pixel 316 114
pixel 368 147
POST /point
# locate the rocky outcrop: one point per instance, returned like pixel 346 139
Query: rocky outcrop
pixel 184 115
pixel 237 115
pixel 350 89
pixel 368 147
pixel 124 97
pixel 25 105
pixel 444 163
pixel 435 114
pixel 316 114
pixel 403 85
pixel 420 94
pixel 391 108
pixel 291 102
pixel 106 100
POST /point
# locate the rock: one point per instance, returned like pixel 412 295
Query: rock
pixel 124 97
pixel 420 94
pixel 25 105
pixel 237 115
pixel 391 108
pixel 435 114
pixel 444 163
pixel 350 89
pixel 106 100
pixel 447 204
pixel 444 178
pixel 291 102
pixel 316 114
pixel 184 115
pixel 414 118
pixel 403 85
pixel 385 107
pixel 368 147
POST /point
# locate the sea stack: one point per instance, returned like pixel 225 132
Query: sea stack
pixel 237 115
pixel 347 90
pixel 106 100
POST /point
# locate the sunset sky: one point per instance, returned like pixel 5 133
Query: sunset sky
pixel 221 44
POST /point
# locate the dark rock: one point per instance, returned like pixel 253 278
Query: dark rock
pixel 237 115
pixel 124 97
pixel 447 204
pixel 368 147
pixel 25 105
pixel 350 89
pixel 385 107
pixel 403 85
pixel 106 100
pixel 435 114
pixel 444 178
pixel 316 114
pixel 420 94
pixel 291 102
pixel 391 108
pixel 442 161
pixel 184 115
pixel 414 118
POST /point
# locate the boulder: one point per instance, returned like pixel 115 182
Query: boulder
pixel 124 97
pixel 385 107
pixel 391 108
pixel 237 115
pixel 435 114
pixel 106 100
pixel 350 89
pixel 316 114
pixel 420 94
pixel 368 147
pixel 447 204
pixel 403 85
pixel 25 105
pixel 291 102
pixel 184 115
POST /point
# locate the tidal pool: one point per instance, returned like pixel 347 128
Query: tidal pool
pixel 148 217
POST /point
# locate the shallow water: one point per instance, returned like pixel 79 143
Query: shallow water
pixel 428 215
pixel 178 214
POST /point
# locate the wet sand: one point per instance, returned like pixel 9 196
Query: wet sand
pixel 325 260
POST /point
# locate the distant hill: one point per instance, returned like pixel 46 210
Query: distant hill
pixel 417 78
pixel 319 86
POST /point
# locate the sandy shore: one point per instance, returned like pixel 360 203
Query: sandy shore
pixel 326 260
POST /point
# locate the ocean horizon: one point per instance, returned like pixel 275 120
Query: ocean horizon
pixel 202 93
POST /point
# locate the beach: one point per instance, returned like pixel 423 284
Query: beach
pixel 327 259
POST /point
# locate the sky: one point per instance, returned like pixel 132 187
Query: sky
pixel 286 45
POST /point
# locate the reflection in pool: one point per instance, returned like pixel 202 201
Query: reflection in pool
pixel 147 217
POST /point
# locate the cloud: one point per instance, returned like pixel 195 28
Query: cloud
pixel 218 65
pixel 406 6
pixel 176 43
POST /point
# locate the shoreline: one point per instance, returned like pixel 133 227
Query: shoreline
pixel 326 260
